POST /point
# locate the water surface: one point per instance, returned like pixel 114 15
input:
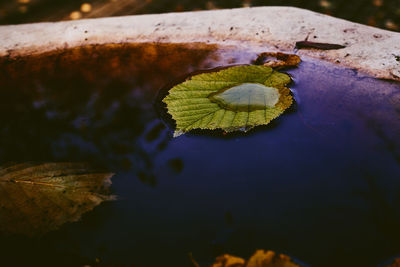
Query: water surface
pixel 320 183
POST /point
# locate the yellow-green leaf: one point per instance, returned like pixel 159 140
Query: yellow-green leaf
pixel 37 198
pixel 232 99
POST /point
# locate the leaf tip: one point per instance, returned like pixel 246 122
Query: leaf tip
pixel 178 133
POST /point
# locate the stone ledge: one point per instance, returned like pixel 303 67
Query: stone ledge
pixel 368 49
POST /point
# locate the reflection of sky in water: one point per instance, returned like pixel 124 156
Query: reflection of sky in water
pixel 320 183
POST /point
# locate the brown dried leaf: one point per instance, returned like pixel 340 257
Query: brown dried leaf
pixel 228 261
pixel 395 263
pixel 270 259
pixel 260 258
pixel 274 60
pixel 315 45
pixel 38 198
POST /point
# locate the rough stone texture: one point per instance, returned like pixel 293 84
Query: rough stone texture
pixel 370 50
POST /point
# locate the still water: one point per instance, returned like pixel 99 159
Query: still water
pixel 321 183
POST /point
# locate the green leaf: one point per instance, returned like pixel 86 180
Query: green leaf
pixel 234 99
pixel 38 198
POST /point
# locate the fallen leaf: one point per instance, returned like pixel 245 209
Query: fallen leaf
pixel 38 198
pixel 228 261
pixel 395 263
pixel 270 259
pixel 233 99
pixel 278 59
pixel 322 46
pixel 261 258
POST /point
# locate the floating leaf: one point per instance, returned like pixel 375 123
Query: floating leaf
pixel 35 199
pixel 261 258
pixel 232 99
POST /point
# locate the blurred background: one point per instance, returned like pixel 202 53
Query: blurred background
pixel 379 13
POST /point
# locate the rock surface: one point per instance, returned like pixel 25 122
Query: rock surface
pixel 369 50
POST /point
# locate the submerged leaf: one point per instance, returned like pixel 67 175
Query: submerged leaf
pixel 260 258
pixel 35 199
pixel 236 98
